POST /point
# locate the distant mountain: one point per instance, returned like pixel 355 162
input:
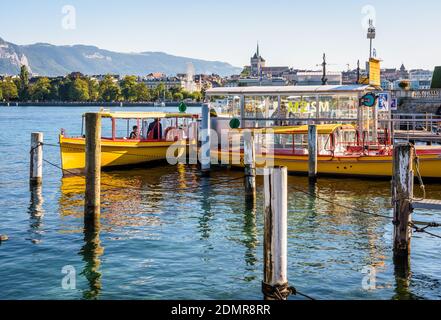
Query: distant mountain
pixel 49 60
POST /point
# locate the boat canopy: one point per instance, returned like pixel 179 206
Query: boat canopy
pixel 144 115
pixel 303 129
pixel 288 90
pixel 321 129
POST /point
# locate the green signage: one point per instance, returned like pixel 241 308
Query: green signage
pixel 234 123
pixel 368 100
pixel 182 107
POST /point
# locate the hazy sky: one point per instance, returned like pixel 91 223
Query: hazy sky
pixel 293 33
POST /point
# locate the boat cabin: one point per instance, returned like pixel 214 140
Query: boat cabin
pixel 147 126
pixel 270 106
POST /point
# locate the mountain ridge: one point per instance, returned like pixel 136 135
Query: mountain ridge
pixel 45 59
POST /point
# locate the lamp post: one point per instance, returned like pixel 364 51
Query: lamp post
pixel 371 36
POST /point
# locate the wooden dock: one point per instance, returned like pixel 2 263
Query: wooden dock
pixel 423 136
pixel 428 204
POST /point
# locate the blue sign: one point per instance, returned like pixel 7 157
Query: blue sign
pixel 383 102
pixel 394 104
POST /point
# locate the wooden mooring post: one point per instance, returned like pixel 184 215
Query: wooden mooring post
pixel 312 152
pixel 36 163
pixel 275 281
pixel 402 193
pixel 93 166
pixel 250 166
pixel 204 155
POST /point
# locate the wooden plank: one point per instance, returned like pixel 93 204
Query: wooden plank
pixel 428 204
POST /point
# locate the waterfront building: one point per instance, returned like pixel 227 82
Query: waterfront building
pixel 169 82
pixel 420 75
pixel 314 78
pixel 386 85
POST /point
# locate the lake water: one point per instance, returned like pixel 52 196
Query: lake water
pixel 158 242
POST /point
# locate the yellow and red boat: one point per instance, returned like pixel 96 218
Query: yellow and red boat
pixel 155 132
pixel 340 152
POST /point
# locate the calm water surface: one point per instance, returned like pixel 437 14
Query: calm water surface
pixel 158 242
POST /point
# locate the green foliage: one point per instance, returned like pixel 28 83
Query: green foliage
pixel 404 84
pixel 41 89
pixel 79 90
pixel 436 78
pixel 9 89
pixel 1 94
pixel 94 88
pixel 178 96
pixel 24 83
pixel 142 92
pixel 128 86
pixel 246 72
pixel 109 89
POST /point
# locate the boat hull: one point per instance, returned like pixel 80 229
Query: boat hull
pixel 368 166
pixel 114 153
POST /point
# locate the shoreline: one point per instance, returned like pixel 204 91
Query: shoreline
pixel 94 104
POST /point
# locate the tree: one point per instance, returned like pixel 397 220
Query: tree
pixel 128 85
pixel 404 84
pixel 109 89
pixel 178 96
pixel 159 91
pixel 64 89
pixel 93 89
pixel 41 89
pixel 142 92
pixel 24 83
pixel 79 90
pixel 197 96
pixel 1 94
pixel 9 89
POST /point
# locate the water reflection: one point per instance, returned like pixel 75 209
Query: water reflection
pixel 403 276
pixel 36 213
pixel 250 240
pixel 207 214
pixel 91 252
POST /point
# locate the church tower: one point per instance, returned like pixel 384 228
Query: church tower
pixel 257 63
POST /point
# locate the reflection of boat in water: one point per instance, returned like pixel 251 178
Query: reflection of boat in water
pixel 340 152
pixel 155 133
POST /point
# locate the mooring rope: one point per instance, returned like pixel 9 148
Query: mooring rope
pixel 281 291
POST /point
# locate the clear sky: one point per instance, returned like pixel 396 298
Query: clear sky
pixel 290 32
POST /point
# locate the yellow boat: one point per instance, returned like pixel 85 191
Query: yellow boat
pixel 340 152
pixel 155 132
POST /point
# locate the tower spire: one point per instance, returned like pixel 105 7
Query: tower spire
pixel 257 51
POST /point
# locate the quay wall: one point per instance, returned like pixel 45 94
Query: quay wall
pixel 93 104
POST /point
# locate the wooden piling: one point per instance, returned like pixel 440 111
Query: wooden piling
pixel 36 164
pixel 275 232
pixel 205 156
pixel 250 166
pixel 312 151
pixel 402 193
pixel 93 165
